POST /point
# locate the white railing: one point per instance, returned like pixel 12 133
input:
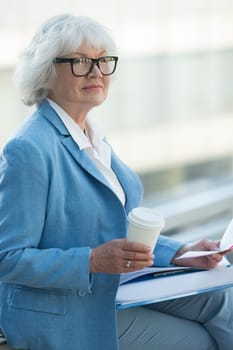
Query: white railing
pixel 204 214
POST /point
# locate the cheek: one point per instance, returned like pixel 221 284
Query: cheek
pixel 76 83
pixel 106 84
pixel 65 78
pixel 72 87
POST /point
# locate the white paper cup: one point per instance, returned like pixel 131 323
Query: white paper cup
pixel 145 225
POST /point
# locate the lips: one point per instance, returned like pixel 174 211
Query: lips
pixel 93 86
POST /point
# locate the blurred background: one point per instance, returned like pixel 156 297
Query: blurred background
pixel 170 111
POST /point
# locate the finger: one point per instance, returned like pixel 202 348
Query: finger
pixel 204 244
pixel 208 245
pixel 135 246
pixel 211 245
pixel 137 256
pixel 211 263
pixel 218 257
pixel 225 252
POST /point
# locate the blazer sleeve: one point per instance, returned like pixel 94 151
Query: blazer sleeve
pixel 24 183
pixel 165 250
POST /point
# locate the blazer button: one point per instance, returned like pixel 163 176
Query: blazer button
pixel 81 293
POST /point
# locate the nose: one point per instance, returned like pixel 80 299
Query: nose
pixel 95 72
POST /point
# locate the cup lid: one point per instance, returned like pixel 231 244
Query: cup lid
pixel 146 217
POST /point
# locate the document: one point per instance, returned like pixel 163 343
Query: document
pixel 153 272
pixel 226 244
pixel 174 286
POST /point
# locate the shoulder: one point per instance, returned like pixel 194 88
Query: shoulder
pixel 39 132
pixel 31 143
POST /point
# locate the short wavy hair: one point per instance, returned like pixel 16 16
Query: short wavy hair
pixel 57 36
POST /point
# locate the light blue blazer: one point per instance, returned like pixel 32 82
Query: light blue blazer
pixel 55 206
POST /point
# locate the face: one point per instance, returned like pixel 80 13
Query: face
pixel 78 95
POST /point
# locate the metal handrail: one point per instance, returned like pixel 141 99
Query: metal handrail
pixel 204 214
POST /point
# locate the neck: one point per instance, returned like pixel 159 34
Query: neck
pixel 79 115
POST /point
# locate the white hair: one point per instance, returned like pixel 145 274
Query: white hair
pixel 57 36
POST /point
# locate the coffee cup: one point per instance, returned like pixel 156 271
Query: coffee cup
pixel 145 225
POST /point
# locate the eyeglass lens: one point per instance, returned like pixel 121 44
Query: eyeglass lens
pixel 83 65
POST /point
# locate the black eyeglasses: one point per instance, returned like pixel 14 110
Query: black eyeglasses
pixel 82 66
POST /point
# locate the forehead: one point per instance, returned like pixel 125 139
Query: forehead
pixel 89 51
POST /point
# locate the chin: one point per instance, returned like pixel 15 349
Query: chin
pixel 97 102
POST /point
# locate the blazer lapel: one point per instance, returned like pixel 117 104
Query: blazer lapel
pixel 83 159
pixel 119 170
pixel 79 155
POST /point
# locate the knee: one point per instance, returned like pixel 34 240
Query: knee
pixel 216 303
pixel 222 298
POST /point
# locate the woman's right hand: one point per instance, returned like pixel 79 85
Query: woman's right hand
pixel 113 256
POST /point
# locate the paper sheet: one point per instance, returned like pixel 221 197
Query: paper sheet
pixel 225 244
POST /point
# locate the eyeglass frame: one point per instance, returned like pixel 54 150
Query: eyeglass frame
pixel 94 61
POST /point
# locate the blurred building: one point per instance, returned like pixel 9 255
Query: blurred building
pixel 170 110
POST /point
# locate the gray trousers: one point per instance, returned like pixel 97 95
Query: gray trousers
pixel 203 322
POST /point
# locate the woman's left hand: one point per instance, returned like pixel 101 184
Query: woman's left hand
pixel 206 262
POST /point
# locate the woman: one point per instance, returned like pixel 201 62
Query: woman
pixel 64 201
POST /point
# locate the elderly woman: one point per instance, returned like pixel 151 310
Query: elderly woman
pixel 64 201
